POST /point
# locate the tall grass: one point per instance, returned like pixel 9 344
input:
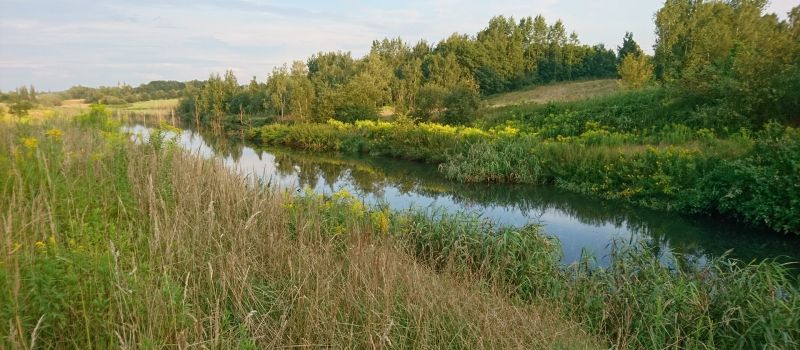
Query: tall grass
pixel 108 244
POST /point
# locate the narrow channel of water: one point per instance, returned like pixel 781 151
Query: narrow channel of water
pixel 580 223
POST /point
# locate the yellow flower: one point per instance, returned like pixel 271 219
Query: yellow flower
pixel 381 220
pixel 52 240
pixel 342 194
pixel 54 133
pixel 357 208
pixel 30 142
pixel 40 245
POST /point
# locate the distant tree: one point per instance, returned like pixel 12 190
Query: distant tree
pixel 22 93
pixel 461 105
pixel 635 71
pixel 20 107
pixel 301 90
pixel 278 89
pixel 430 102
pixel 409 80
pixel 629 46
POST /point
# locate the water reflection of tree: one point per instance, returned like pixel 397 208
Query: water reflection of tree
pixel 665 234
pixel 222 144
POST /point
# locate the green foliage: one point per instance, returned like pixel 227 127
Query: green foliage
pixel 729 55
pixel 20 108
pixel 123 93
pixel 629 47
pixel 673 168
pixel 635 71
pixel 764 186
pixel 441 83
pixel 97 118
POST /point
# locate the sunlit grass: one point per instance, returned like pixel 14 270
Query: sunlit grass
pixel 557 92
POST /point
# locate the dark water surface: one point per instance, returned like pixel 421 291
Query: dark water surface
pixel 579 222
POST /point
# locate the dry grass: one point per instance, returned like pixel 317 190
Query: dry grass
pixel 559 92
pixel 108 244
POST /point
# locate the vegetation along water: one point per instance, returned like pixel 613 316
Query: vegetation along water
pixel 515 188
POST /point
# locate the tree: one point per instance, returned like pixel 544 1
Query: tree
pixel 20 107
pixel 278 89
pixel 301 90
pixel 430 102
pixel 727 54
pixel 32 94
pixel 635 71
pixel 629 47
pixel 461 105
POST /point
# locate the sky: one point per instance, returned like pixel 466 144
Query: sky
pixel 57 44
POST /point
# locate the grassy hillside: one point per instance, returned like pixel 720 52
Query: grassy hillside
pixel 559 92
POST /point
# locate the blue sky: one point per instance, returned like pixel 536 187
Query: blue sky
pixel 57 44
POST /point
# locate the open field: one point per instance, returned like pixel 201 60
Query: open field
pixel 151 106
pixel 558 92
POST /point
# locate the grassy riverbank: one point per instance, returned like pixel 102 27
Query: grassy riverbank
pixel 107 243
pixel 114 245
pixel 606 148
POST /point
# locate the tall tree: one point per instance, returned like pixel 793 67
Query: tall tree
pixel 629 46
pixel 278 89
pixel 728 53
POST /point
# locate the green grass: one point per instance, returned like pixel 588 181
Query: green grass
pixel 558 92
pixel 150 106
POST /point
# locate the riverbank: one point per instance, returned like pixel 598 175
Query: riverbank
pixel 229 263
pixel 750 176
pixel 115 245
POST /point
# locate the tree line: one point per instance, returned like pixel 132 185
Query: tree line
pixel 441 82
pixel 729 60
pixel 124 93
pixel 20 100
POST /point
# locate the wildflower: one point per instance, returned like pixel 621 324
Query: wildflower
pixel 54 133
pixel 40 245
pixel 52 240
pixel 30 142
pixel 381 220
pixel 342 194
pixel 357 208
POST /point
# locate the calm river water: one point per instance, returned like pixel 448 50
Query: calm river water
pixel 580 223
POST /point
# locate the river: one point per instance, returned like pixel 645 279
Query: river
pixel 580 223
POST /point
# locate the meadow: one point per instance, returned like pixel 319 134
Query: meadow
pixel 226 262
